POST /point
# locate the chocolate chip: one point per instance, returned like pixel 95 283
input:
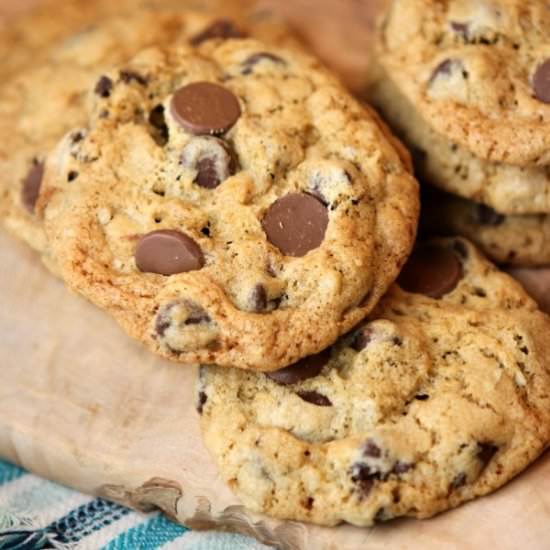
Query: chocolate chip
pixel 194 315
pixel 250 62
pixel 315 398
pixel 76 137
pixel 362 339
pixel 205 108
pixel 259 298
pixel 461 29
pixel 370 448
pixel 458 482
pixel 432 270
pixel 212 159
pixel 446 68
pixel 422 397
pixel 158 121
pixel 541 82
pixel 402 467
pixel 168 252
pixel 308 367
pixel 364 478
pixel 129 76
pixel 296 224
pixel 485 453
pixel 104 87
pixel 222 28
pixel 203 398
pixel 31 186
pixel 488 217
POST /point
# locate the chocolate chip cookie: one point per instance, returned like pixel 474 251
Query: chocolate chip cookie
pixel 443 395
pixel 229 203
pixel 464 81
pixel 46 100
pixel 513 240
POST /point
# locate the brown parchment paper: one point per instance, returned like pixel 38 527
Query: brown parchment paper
pixel 83 405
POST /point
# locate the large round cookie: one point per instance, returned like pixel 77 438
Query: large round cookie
pixel 477 70
pixel 230 203
pixel 443 163
pixel 43 101
pixel 513 240
pixel 442 396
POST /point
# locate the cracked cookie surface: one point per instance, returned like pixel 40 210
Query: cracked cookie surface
pixel 47 98
pixel 442 395
pixel 229 203
pixel 465 81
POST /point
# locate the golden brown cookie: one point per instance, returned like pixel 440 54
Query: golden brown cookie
pixel 442 396
pixel 229 203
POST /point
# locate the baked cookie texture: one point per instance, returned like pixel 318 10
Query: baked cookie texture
pixel 229 203
pixel 42 102
pixel 512 240
pixel 512 190
pixel 465 82
pixel 441 396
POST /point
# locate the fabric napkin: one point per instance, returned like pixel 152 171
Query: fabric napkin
pixel 36 514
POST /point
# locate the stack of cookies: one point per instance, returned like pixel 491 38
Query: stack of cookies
pixel 229 203
pixel 467 85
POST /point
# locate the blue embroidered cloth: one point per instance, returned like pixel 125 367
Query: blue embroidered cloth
pixel 36 514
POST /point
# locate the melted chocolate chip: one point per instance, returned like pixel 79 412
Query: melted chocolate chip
pixel 195 315
pixel 485 453
pixel 158 121
pixel 296 224
pixel 370 448
pixel 168 252
pixel 432 270
pixel 203 398
pixel 446 68
pixel 212 158
pixel 315 398
pixel 422 397
pixel 249 63
pixel 488 217
pixel 364 478
pixel 205 108
pixel 458 482
pixel 104 87
pixel 402 467
pixel 541 82
pixel 132 76
pixel 222 28
pixel 76 137
pixel 308 367
pixel 259 298
pixel 461 29
pixel 31 186
pixel 362 339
